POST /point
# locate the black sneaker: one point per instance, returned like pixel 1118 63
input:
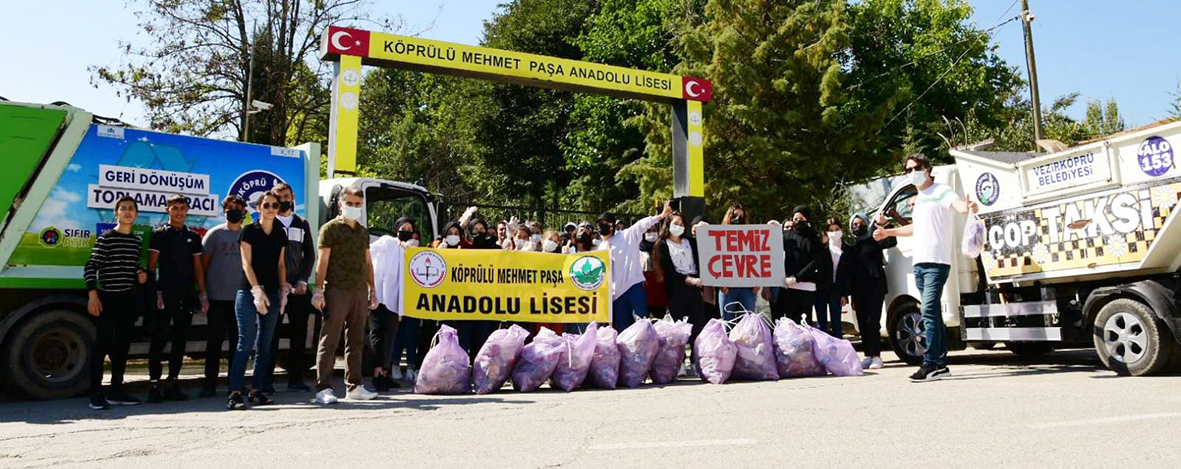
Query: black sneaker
pixel 98 402
pixel 207 391
pixel 173 393
pixel 235 402
pixel 118 397
pixel 927 373
pixel 298 386
pixel 155 394
pixel 381 383
pixel 258 398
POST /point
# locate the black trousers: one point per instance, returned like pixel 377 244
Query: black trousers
pixel 793 304
pixel 426 332
pixel 299 308
pixel 685 301
pixel 171 325
pixel 383 330
pixel 223 325
pixel 114 330
pixel 868 306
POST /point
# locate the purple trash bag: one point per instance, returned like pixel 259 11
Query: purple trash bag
pixel 445 369
pixel 638 345
pixel 837 355
pixel 536 364
pixel 793 351
pixel 494 363
pixel 575 365
pixel 714 353
pixel 756 349
pixel 604 367
pixel 671 355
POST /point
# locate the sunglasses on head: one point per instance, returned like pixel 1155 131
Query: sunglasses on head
pixel 270 205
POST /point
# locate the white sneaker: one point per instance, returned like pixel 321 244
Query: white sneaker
pixel 326 397
pixel 396 373
pixel 411 375
pixel 868 362
pixel 876 363
pixel 683 371
pixel 359 393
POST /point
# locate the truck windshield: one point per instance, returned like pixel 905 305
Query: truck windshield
pixel 385 205
pixel 900 207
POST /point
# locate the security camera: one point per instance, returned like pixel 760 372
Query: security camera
pixel 262 105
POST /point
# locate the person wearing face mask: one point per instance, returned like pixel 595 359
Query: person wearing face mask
pixel 653 283
pixel 481 238
pixel 300 257
pixel 861 276
pixel 828 297
pixel 676 266
pixel 222 259
pixel 536 232
pixel 802 255
pixel 453 237
pixel 408 328
pixel 385 321
pixel 744 296
pixel 932 227
pixel 627 275
pixel 583 241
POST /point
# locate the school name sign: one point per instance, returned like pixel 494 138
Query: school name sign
pixel 383 49
pixel 740 255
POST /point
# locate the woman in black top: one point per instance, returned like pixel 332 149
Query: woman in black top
pixel 261 298
pixel 862 275
pixel 803 258
pixel 676 263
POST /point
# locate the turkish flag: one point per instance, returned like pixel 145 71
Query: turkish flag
pixel 347 41
pixel 697 89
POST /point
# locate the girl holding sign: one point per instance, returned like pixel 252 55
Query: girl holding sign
pixel 745 296
pixel 676 263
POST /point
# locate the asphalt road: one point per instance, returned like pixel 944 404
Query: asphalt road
pixel 995 411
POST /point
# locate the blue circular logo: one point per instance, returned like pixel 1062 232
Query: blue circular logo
pixel 251 184
pixel 988 189
pixel 1155 156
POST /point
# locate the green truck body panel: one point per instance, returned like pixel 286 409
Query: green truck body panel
pixel 26 135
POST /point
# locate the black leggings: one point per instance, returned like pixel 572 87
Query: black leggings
pixel 793 304
pixel 383 329
pixel 685 301
pixel 114 329
pixel 299 309
pixel 869 320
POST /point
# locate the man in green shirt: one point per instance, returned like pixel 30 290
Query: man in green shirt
pixel 345 266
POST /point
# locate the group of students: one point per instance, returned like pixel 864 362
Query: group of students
pixel 245 277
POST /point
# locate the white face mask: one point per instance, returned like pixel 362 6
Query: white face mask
pixel 918 177
pixel 596 241
pixel 352 213
pixel 834 238
pixel 676 230
pixel 452 240
pixel 549 245
pixel 650 237
pixel 412 243
pixel 535 238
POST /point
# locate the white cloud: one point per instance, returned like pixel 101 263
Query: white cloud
pixel 73 167
pixel 61 210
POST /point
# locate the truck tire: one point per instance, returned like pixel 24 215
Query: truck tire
pixel 1130 340
pixel 1030 349
pixel 983 345
pixel 906 334
pixel 47 354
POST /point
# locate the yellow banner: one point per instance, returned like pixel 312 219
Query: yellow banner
pixel 495 285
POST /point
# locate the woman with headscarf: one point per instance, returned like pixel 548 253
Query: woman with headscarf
pixel 862 275
pixel 406 337
pixel 802 258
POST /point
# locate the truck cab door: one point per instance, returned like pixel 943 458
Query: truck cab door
pixel 386 203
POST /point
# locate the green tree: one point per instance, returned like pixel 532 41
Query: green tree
pixel 1175 112
pixel 1103 120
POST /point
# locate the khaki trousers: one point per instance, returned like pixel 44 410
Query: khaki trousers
pixel 348 312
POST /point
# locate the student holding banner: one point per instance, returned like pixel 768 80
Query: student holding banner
pixel 676 263
pixel 627 270
pixel 802 255
pixel 745 296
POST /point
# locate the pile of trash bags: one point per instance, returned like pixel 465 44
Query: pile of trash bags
pixel 648 349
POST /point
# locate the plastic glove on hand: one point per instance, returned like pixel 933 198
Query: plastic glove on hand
pixel 318 300
pixel 261 303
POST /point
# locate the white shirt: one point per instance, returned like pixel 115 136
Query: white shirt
pixel 836 259
pixel 389 255
pixel 682 257
pixel 627 268
pixel 286 219
pixel 933 219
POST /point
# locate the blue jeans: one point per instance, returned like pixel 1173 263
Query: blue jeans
pixel 929 278
pixel 634 300
pixel 254 329
pixel 745 296
pixel 828 314
pixel 407 338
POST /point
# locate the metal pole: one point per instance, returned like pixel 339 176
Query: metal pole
pixel 1031 62
pixel 249 90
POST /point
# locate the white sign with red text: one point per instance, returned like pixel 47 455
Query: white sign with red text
pixel 740 255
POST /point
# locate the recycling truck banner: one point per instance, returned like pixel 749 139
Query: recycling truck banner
pixel 111 162
pixel 494 285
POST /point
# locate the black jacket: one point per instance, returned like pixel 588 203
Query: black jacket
pixel 862 271
pixel 804 258
pixel 301 253
pixel 670 270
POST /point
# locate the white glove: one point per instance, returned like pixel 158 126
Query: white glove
pixel 261 303
pixel 788 282
pixel 300 288
pixel 318 299
pixel 283 292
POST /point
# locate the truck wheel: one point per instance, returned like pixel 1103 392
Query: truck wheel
pixel 906 334
pixel 1129 339
pixel 983 345
pixel 47 354
pixel 1030 349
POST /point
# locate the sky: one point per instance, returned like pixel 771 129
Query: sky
pixel 1124 50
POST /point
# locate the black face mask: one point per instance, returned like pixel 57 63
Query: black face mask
pixel 404 236
pixel 605 230
pixel 284 206
pixel 737 220
pixel 235 215
pixel 860 230
pixel 802 225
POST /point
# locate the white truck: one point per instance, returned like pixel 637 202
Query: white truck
pixel 1082 250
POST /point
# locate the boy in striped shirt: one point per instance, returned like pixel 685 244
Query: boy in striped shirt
pixel 111 275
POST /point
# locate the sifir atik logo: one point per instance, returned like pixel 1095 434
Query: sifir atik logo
pixel 588 272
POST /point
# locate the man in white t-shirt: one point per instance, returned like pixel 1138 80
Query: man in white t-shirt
pixel 932 228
